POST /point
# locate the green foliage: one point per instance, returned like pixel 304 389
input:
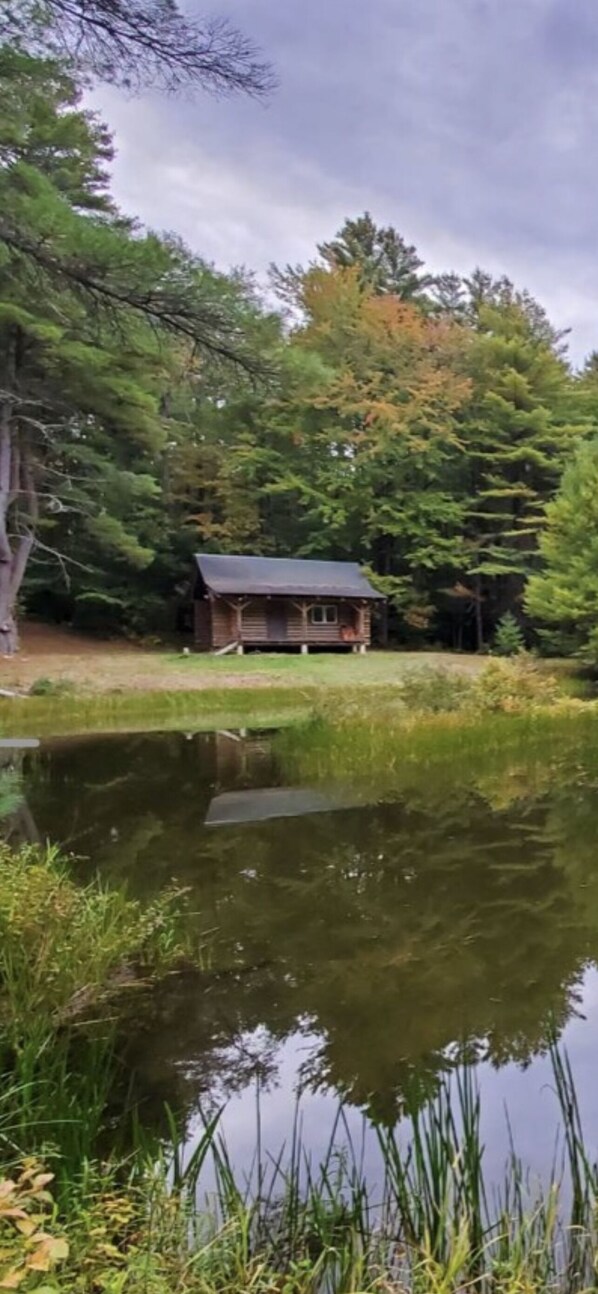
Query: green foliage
pixel 509 638
pixel 98 323
pixel 11 791
pixel 51 687
pixel 382 257
pixel 564 594
pixel 73 959
pixel 64 947
pixel 514 686
pixel 152 405
pixel 431 691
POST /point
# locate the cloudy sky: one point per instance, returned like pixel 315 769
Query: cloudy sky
pixel 471 125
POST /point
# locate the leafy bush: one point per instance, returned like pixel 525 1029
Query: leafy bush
pixel 64 946
pixel 435 691
pixel 27 1250
pixel 508 639
pixel 51 687
pixel 514 685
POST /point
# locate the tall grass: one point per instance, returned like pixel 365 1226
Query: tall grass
pixel 431 1224
pixel 204 709
pixel 72 959
pixel 388 753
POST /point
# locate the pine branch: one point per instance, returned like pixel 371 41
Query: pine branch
pixel 181 313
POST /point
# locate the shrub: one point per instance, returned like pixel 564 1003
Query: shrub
pixel 27 1250
pixel 435 691
pixel 64 946
pixel 99 613
pixel 514 685
pixel 51 687
pixel 508 639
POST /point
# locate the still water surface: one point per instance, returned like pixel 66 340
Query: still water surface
pixel 354 949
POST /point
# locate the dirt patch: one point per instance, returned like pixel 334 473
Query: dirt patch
pixel 93 665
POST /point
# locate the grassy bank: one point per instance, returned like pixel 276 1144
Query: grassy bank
pixel 349 704
pixel 508 728
pixel 65 713
pixel 72 960
pixel 394 753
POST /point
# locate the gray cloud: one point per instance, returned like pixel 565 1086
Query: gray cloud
pixel 470 124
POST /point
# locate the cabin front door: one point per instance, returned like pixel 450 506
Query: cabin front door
pixel 276 620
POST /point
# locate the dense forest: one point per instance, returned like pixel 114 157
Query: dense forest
pixel 428 426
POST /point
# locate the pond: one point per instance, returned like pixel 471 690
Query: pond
pixel 356 945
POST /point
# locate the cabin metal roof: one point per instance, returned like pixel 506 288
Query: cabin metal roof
pixel 290 576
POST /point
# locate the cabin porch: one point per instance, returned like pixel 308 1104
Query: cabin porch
pixel 276 622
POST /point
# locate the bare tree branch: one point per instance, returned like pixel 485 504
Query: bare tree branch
pixel 136 43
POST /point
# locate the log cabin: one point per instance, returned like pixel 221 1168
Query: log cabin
pixel 279 602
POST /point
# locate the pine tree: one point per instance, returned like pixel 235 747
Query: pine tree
pixel 509 639
pixel 96 321
pixel 386 264
pixel 517 432
pixel 564 594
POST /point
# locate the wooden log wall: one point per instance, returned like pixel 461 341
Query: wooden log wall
pixel 216 624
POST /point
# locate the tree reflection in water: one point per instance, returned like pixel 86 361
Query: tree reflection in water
pixel 402 935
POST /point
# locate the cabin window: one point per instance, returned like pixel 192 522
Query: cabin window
pixel 324 615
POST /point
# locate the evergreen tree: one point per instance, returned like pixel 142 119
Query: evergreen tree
pixel 508 639
pixel 517 432
pixel 386 264
pixel 564 594
pixel 97 323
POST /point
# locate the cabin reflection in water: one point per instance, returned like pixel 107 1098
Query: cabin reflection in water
pixel 272 802
pixel 243 755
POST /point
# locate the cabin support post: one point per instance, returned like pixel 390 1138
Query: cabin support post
pixel 304 630
pixel 239 625
pixel 361 625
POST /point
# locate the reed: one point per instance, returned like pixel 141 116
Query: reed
pixel 430 1225
pixel 390 753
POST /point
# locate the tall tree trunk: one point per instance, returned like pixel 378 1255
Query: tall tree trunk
pixel 8 628
pixel 479 619
pixel 17 485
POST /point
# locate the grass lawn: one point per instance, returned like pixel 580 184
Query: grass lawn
pixel 93 685
pixel 91 666
pixel 84 684
pixel 323 669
